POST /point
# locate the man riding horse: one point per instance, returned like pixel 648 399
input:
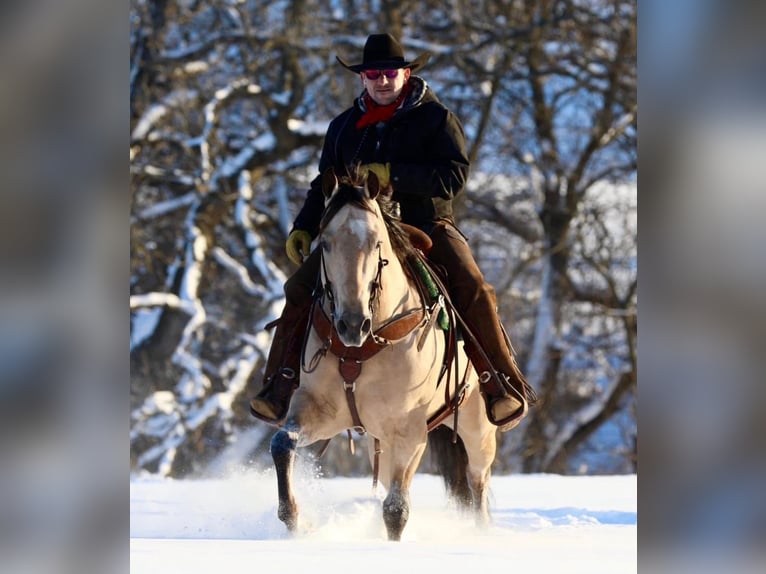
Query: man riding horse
pixel 400 131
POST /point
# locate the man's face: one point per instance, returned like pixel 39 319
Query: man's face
pixel 382 88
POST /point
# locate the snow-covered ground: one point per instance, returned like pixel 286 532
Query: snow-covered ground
pixel 551 523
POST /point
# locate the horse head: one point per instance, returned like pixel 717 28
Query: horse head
pixel 355 247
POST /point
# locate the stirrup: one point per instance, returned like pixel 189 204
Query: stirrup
pixel 289 377
pixel 512 420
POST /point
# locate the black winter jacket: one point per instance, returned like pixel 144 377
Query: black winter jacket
pixel 425 145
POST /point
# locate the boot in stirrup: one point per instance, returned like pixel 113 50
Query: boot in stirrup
pixel 504 409
pixel 272 403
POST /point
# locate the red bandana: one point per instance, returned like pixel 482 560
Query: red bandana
pixel 376 113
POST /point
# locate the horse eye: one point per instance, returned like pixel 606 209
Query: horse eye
pixel 324 245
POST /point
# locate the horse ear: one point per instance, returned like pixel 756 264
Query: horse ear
pixel 329 182
pixel 373 185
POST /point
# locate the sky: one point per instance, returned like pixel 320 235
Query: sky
pixel 540 522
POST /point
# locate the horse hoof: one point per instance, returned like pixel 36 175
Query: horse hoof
pixel 289 515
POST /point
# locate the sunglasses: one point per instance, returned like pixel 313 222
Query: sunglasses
pixel 375 74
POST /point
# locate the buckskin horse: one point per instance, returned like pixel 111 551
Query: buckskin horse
pixel 381 364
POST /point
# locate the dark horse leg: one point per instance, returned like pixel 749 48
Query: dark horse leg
pixel 283 445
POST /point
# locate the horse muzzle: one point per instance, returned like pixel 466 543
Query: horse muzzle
pixel 353 328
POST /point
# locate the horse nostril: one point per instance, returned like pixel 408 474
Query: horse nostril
pixel 366 325
pixel 342 327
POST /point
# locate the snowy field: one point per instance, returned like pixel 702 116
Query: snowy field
pixel 540 523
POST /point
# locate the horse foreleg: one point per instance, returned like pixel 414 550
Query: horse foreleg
pixel 283 445
pixel 396 506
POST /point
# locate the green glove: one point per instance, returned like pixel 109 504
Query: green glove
pixel 298 245
pixel 382 170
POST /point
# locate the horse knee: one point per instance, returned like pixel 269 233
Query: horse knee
pixel 283 443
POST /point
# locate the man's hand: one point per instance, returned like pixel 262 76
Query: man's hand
pixel 298 246
pixel 382 170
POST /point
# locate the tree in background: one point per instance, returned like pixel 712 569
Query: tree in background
pixel 229 103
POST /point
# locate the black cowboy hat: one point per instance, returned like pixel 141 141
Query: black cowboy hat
pixel 384 52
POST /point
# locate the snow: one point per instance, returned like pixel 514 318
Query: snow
pixel 544 523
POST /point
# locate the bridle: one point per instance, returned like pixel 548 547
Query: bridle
pixel 376 286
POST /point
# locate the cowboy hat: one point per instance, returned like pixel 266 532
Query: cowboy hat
pixel 384 52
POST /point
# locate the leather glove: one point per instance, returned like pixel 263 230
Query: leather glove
pixel 298 245
pixel 382 170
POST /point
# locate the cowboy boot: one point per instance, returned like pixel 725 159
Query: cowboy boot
pixel 281 377
pixel 504 409
pixel 506 393
pixel 505 398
